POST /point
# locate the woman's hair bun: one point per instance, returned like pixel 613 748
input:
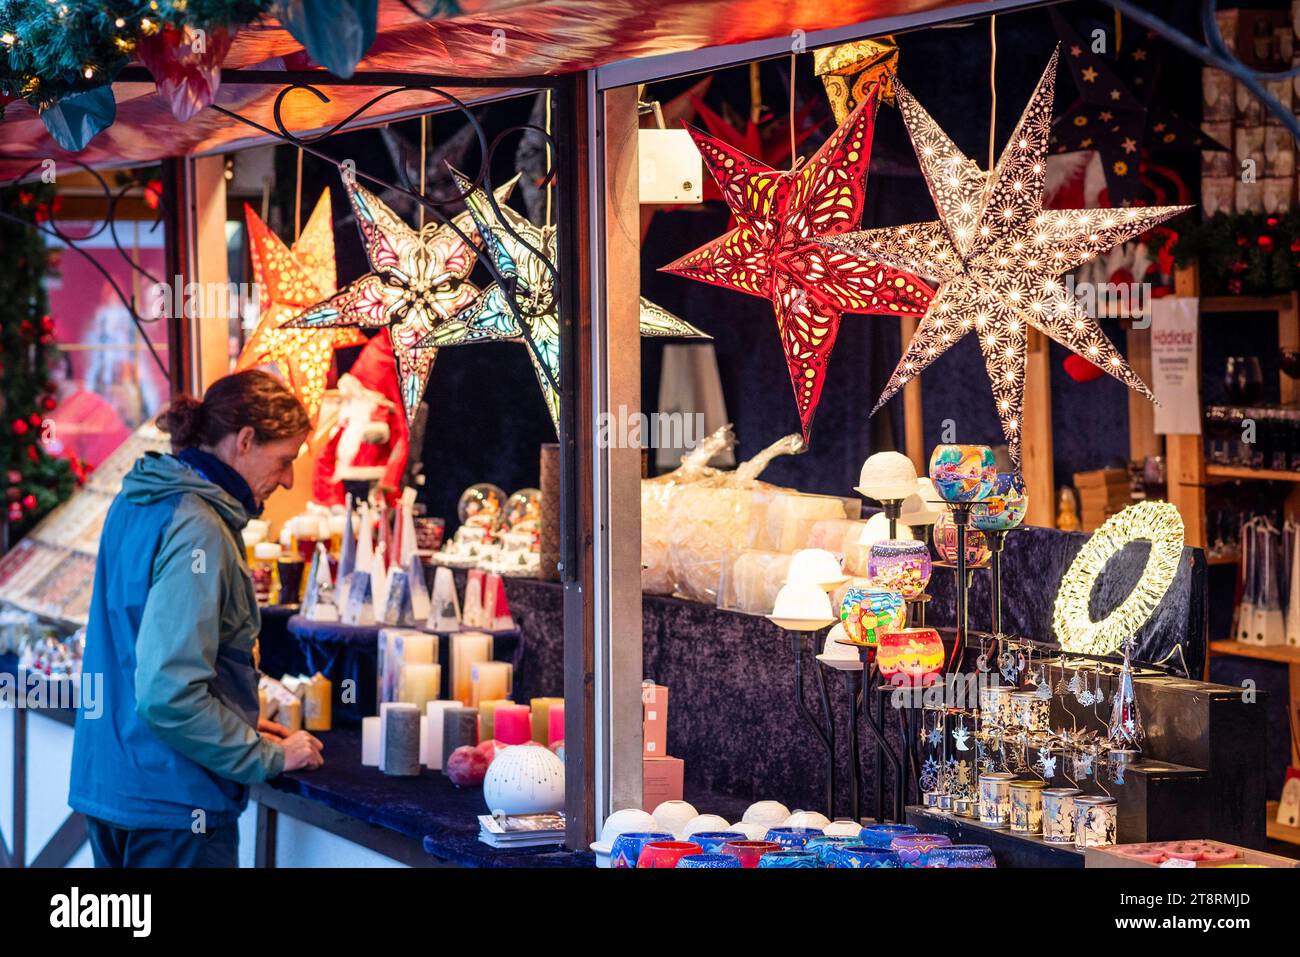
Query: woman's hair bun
pixel 182 419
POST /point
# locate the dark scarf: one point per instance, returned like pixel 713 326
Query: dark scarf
pixel 222 475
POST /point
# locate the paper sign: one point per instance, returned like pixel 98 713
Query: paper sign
pixel 1175 365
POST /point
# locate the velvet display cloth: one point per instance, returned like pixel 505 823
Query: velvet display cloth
pixel 427 808
pixel 1034 560
pixel 280 653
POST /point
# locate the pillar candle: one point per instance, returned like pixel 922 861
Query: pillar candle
pixel 402 740
pixel 513 724
pixel 459 727
pixel 487 717
pixel 555 727
pixel 468 648
pixel 490 680
pixel 433 737
pixel 542 718
pixel 393 647
pixel 419 683
pixel 318 707
pixel 370 742
pixel 383 729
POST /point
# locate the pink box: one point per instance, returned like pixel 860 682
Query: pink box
pixel 654 723
pixel 661 780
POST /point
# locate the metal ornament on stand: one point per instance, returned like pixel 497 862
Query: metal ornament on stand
pixel 1125 730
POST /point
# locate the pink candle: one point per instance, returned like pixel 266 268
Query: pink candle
pixel 556 730
pixel 513 724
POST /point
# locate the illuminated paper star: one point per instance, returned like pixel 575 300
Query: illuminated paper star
pixel 418 280
pixel 997 255
pixel 773 251
pixel 529 270
pixel 289 280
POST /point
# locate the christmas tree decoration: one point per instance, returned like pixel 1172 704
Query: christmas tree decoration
pixel 290 279
pixel 1115 118
pixel 848 72
pixel 418 282
pixel 774 253
pixel 997 255
pixel 526 259
pixel 186 65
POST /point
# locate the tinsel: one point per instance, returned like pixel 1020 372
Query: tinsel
pixel 54 49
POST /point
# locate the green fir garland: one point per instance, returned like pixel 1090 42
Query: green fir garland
pixel 1243 253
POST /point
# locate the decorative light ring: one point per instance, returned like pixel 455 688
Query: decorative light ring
pixel 1157 522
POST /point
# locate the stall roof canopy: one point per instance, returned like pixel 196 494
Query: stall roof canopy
pixel 490 39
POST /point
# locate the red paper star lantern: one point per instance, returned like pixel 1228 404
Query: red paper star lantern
pixel 773 253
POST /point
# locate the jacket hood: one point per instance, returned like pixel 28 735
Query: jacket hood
pixel 156 477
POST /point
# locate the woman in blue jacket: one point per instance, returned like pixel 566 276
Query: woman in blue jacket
pixel 162 774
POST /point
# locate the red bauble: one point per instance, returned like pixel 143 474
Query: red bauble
pixel 1080 369
pixel 47 324
pixel 1265 243
pixel 153 193
pixel 1235 286
pixel 26 328
pixel 33 455
pixel 49 403
pixel 46 339
pixel 34 420
pixel 14 476
pixel 13 493
pixel 15 512
pixel 466 766
pixel 19 427
pixel 29 502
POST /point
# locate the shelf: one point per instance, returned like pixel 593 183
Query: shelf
pixel 1258 475
pixel 1279 303
pixel 1286 654
pixel 1280 832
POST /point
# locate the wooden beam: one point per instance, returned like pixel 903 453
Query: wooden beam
pixel 1036 434
pixel 1142 438
pixel 1185 454
pixel 211 324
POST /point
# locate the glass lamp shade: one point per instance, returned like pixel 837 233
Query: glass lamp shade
pixel 901 566
pixel 910 656
pixel 882 835
pixel 867 612
pixel 914 849
pixel 961 855
pixel 963 473
pixel 1005 507
pixel 945 542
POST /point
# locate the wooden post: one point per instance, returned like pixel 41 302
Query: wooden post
pixel 1036 434
pixel 210 325
pixel 913 411
pixel 1185 454
pixel 1142 438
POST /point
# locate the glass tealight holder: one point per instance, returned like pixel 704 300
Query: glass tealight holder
pixel 995 798
pixel 963 473
pixel 900 566
pixel 1031 712
pixel 1003 509
pixel 997 706
pixel 1096 819
pixel 1027 806
pixel 910 656
pixel 978 551
pixel 962 855
pixel 1058 815
pixel 868 612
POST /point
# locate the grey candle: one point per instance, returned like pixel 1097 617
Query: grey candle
pixel 459 727
pixel 402 740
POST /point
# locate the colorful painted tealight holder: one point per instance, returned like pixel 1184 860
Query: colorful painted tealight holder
pixel 863 856
pixel 826 846
pixel 1005 508
pixel 978 551
pixel 914 849
pixel 711 841
pixel 749 853
pixel 792 838
pixel 627 847
pixel 882 835
pixel 661 854
pixel 1096 820
pixel 910 656
pixel 707 861
pixel 1027 806
pixel 900 566
pixel 963 473
pixel 962 855
pixel 788 859
pixel 866 613
pixel 1058 815
pixel 995 798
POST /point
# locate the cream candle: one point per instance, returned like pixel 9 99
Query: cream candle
pixel 490 680
pixel 541 708
pixel 433 736
pixel 419 683
pixel 468 648
pixel 370 742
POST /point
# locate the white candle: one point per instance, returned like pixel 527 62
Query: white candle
pixel 433 733
pixel 468 648
pixel 370 729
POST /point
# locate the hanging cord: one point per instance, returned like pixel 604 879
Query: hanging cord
pixel 550 180
pixel 993 84
pixel 424 142
pixel 297 198
pixel 792 136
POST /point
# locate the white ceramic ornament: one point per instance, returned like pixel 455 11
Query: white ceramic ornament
pixel 524 779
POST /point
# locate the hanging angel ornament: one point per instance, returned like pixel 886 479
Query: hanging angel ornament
pixel 773 252
pixel 290 279
pixel 998 255
pixel 524 255
pixel 418 281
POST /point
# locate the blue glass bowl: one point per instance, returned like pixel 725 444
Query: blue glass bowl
pixel 711 841
pixel 792 838
pixel 627 847
pixel 825 846
pixel 882 835
pixel 789 859
pixel 708 860
pixel 861 855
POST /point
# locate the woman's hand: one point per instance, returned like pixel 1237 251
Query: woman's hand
pixel 302 752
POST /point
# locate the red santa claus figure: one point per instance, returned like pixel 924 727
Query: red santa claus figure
pixel 364 428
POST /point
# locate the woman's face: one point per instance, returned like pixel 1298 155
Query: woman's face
pixel 265 466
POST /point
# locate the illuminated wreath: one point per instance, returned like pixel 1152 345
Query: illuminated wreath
pixel 1157 522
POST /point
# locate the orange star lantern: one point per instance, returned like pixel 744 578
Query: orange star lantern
pixel 773 253
pixel 289 280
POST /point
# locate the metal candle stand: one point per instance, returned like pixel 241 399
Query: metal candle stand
pixel 825 735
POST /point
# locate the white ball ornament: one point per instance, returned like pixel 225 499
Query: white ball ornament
pixel 524 779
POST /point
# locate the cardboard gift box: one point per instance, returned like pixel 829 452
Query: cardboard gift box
pixel 654 722
pixel 661 780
